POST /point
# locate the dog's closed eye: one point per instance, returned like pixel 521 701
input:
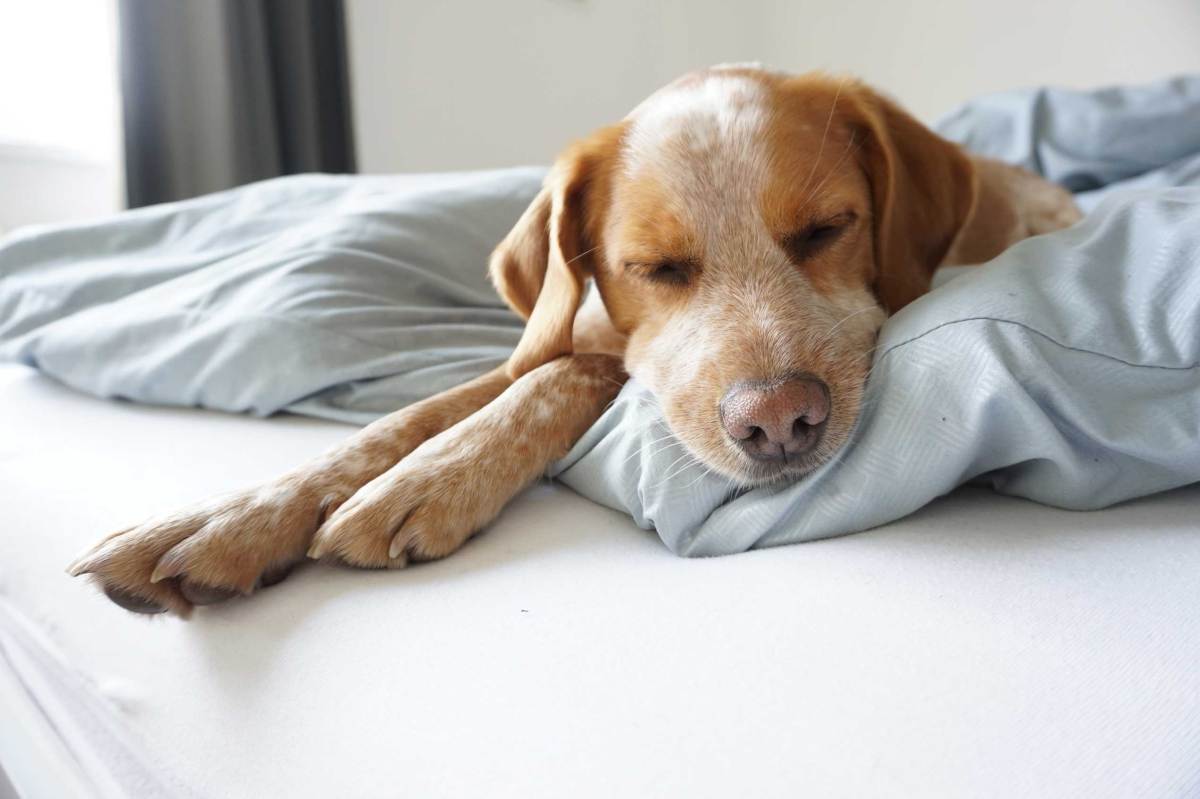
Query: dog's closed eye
pixel 816 236
pixel 667 272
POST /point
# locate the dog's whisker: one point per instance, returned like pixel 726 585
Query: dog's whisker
pixel 688 460
pixel 832 171
pixel 583 254
pixel 829 333
pixel 685 454
pixel 705 472
pixel 824 136
pixel 667 478
pixel 642 449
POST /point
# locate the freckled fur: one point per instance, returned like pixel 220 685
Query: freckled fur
pixel 713 172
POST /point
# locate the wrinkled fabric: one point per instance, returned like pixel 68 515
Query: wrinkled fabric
pixel 1090 142
pixel 333 296
pixel 1064 371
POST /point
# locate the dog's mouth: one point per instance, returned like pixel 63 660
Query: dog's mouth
pixel 752 472
pixel 755 471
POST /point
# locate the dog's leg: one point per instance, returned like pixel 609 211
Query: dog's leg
pixel 431 502
pixel 239 542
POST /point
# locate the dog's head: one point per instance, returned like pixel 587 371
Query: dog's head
pixel 748 233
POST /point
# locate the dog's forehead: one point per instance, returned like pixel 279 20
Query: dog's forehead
pixel 729 150
pixel 713 119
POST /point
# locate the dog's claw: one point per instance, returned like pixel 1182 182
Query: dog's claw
pixel 396 548
pixel 91 561
pixel 166 570
pixel 80 567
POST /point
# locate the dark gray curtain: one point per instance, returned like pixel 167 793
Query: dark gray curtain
pixel 217 93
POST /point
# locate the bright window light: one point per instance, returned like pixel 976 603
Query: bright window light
pixel 58 76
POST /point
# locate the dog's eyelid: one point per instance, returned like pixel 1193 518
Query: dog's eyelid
pixel 817 234
pixel 651 261
pixel 833 223
pixel 675 271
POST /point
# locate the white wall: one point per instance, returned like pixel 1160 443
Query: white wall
pixel 60 136
pixel 46 185
pixel 476 83
pixel 933 54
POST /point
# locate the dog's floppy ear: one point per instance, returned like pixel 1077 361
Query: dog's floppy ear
pixel 542 264
pixel 923 189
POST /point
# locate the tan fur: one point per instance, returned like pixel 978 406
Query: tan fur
pixel 429 503
pixel 541 266
pixel 717 182
pixel 1011 204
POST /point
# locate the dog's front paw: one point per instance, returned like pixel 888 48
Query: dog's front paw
pixel 423 508
pixel 228 546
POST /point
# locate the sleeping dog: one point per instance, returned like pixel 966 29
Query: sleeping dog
pixel 747 233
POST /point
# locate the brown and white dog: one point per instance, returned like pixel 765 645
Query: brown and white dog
pixel 748 232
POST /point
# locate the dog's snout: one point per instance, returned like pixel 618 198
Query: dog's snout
pixel 778 420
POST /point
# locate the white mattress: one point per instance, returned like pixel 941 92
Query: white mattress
pixel 984 647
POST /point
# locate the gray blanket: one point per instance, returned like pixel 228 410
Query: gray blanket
pixel 1066 371
pixel 339 297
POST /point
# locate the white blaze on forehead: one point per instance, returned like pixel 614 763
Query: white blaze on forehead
pixel 697 124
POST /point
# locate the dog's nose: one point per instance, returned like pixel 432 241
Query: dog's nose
pixel 775 421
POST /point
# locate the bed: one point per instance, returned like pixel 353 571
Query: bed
pixel 985 646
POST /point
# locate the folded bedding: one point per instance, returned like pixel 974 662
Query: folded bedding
pixel 1067 370
pixel 332 296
